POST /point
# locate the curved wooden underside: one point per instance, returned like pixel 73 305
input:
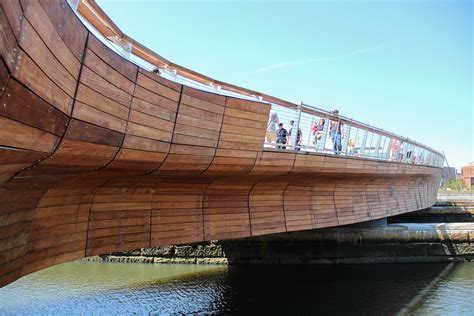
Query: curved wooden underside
pixel 98 156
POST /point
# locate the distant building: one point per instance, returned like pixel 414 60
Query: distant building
pixel 448 173
pixel 467 175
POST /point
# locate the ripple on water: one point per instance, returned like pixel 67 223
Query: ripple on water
pixel 98 288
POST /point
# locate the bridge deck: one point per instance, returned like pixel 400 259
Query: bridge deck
pixel 98 155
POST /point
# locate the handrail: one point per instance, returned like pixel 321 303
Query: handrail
pixel 314 110
pixel 93 13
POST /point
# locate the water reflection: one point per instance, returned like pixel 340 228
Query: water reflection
pixel 98 288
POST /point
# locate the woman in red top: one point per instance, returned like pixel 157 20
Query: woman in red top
pixel 318 131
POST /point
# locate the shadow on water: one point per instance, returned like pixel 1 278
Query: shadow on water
pixel 344 289
pixel 385 289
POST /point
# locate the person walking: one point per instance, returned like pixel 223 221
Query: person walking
pixel 318 130
pixel 273 122
pixel 282 136
pixel 336 133
pixel 298 135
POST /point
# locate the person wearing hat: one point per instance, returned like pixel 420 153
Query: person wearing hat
pixel 336 133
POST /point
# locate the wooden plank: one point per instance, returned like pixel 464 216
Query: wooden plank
pixel 203 105
pixel 246 115
pixel 170 84
pixel 91 115
pixel 23 106
pixel 46 30
pixel 244 122
pixel 204 96
pixel 146 144
pixel 239 130
pixel 90 97
pixel 191 150
pixel 199 113
pixel 97 83
pixel 18 156
pixel 250 106
pixel 154 110
pixel 68 26
pixel 153 98
pixel 94 134
pixel 195 141
pixel 196 122
pixel 107 72
pixel 39 52
pixel 148 132
pixel 13 15
pixel 114 60
pixel 79 148
pixel 8 43
pixel 157 87
pixel 140 155
pixel 196 132
pixel 150 121
pixel 15 134
pixel 28 73
pixel 4 76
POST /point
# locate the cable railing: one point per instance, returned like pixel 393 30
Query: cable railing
pixel 308 128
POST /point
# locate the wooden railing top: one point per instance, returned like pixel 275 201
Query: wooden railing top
pixel 94 14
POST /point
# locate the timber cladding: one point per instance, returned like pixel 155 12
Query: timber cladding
pixel 97 155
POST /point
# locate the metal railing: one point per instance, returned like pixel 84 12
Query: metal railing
pixel 310 129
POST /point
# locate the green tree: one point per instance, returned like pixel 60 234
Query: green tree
pixel 454 184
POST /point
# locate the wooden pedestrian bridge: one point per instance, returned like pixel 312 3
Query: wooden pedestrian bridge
pixel 107 146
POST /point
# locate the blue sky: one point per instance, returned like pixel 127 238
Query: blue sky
pixel 404 66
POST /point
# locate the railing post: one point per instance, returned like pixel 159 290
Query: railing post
pixel 310 134
pixel 388 154
pixel 363 142
pixel 294 133
pixel 377 145
pixel 345 141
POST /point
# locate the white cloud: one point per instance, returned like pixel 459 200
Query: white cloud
pixel 272 67
pixel 320 59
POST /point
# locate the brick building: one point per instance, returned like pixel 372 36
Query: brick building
pixel 467 175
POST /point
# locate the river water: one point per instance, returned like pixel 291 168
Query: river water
pixel 86 288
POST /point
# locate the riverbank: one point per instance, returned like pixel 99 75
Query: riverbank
pixel 201 253
pixel 442 233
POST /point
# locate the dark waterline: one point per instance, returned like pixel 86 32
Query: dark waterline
pixel 99 288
